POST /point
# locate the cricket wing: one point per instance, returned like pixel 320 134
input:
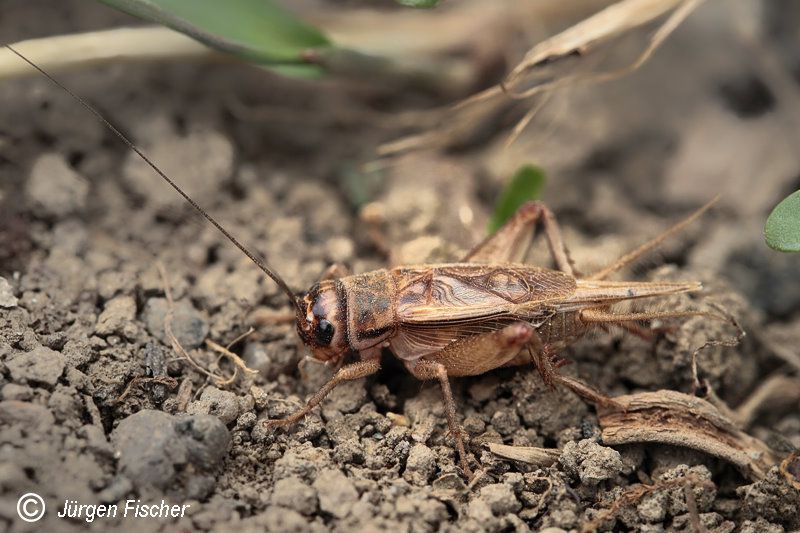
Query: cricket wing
pixel 459 293
pixel 444 303
pixel 412 342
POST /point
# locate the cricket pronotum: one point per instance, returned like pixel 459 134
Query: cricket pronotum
pixel 484 312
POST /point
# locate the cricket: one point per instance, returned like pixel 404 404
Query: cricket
pixel 442 321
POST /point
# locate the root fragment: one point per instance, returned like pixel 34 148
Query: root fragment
pixel 141 380
pixel 218 379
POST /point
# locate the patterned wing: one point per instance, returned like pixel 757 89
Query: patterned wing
pixel 459 293
pixel 439 304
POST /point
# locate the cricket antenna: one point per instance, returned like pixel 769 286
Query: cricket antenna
pixel 268 271
pixel 652 243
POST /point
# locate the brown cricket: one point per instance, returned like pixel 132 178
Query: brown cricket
pixel 487 311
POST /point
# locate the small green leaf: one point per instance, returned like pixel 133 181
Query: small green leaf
pixel 256 30
pixel 527 184
pixel 782 229
pixel 421 4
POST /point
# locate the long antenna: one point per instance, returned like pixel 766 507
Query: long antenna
pixel 653 243
pixel 269 272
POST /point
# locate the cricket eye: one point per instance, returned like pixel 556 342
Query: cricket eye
pixel 323 334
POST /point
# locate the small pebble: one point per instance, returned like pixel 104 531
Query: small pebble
pixel 29 416
pixel 339 249
pixel 40 365
pixel 292 493
pixel 148 448
pixel 7 298
pixel 591 462
pixel 206 439
pixel 204 157
pixel 54 189
pixel 337 494
pixel 188 325
pixel 117 316
pixel 152 446
pixel 420 465
pixel 500 498
pixel 12 391
pixel 213 401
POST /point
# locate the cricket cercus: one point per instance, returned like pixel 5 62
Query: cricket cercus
pixel 487 311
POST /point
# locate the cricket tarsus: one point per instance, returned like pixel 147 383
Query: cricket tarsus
pixel 260 264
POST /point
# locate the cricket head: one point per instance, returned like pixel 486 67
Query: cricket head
pixel 321 324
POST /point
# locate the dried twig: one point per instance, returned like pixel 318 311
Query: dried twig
pixel 176 345
pixel 611 22
pixel 740 334
pixel 775 390
pixel 691 506
pixel 677 419
pixel 615 20
pixel 237 361
pixel 83 50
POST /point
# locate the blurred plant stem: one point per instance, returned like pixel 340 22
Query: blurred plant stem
pixel 84 50
pixel 149 43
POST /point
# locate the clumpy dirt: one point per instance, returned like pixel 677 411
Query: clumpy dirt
pixel 96 254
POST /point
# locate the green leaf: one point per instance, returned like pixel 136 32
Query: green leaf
pixel 782 230
pixel 421 4
pixel 527 184
pixel 256 30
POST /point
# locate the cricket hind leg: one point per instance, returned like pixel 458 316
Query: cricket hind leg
pixel 597 316
pixel 511 242
pixel 350 372
pixel 547 364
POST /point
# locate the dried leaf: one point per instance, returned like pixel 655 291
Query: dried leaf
pixel 674 418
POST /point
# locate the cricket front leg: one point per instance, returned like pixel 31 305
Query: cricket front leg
pixel 350 372
pixel 511 242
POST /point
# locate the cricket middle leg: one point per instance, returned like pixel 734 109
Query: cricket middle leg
pixel 511 242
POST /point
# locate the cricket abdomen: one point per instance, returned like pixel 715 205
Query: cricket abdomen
pixel 562 329
pixel 371 315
